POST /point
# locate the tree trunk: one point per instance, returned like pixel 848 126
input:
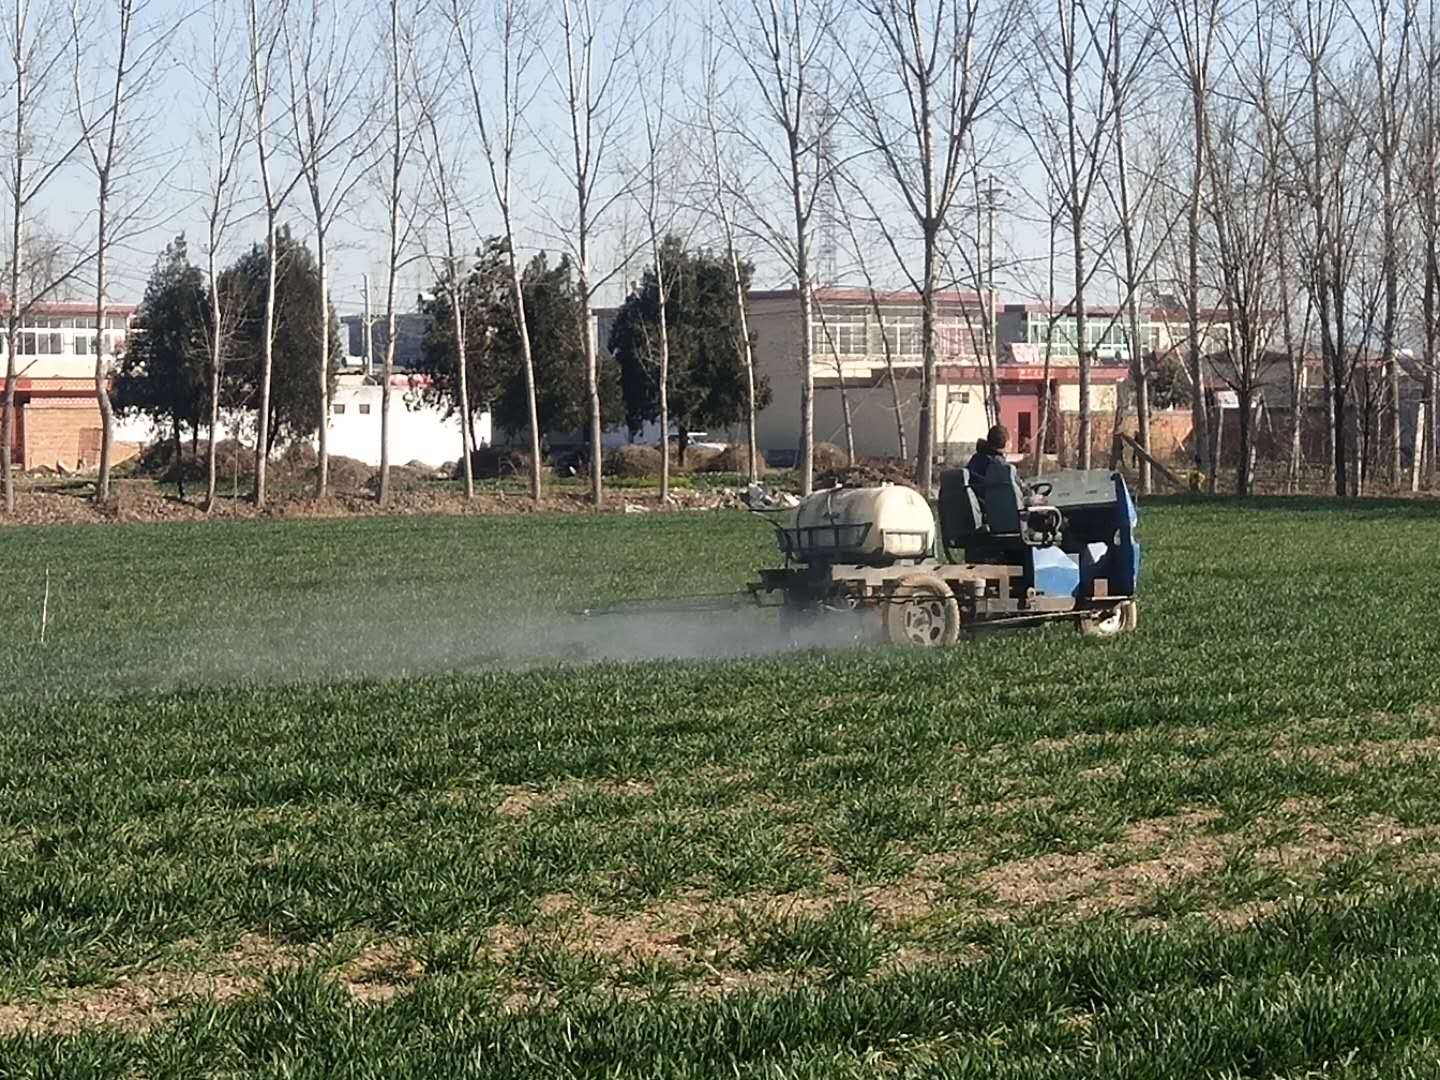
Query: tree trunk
pixel 1433 431
pixel 592 380
pixel 102 387
pixel 747 353
pixel 175 462
pixel 211 455
pixel 322 464
pixel 457 314
pixel 262 442
pixel 802 284
pixel 664 371
pixel 517 292
pixel 1199 420
pixel 840 382
pixel 7 417
pixel 1245 415
pixel 1295 357
pixel 1327 376
pixel 925 435
pixel 1077 227
pixel 807 388
pixel 1425 446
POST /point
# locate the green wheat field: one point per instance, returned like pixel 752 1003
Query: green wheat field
pixel 365 799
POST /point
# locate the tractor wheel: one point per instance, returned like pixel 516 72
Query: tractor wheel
pixel 923 612
pixel 1120 619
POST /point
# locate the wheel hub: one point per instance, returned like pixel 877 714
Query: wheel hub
pixel 925 621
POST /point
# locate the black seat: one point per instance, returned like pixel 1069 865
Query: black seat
pixel 1004 500
pixel 960 516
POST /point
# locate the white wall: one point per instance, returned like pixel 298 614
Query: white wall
pixel 417 432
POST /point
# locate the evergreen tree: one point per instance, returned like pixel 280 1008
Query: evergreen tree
pixel 162 373
pixel 296 401
pixel 707 368
pixel 486 289
pixel 495 363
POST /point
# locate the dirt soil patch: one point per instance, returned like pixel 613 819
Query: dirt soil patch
pixel 139 502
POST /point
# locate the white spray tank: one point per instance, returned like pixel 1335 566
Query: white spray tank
pixel 877 525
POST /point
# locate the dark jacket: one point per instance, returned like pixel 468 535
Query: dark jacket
pixel 980 462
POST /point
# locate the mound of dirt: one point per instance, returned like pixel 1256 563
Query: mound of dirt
pixel 697 458
pixel 496 463
pixel 402 478
pixel 734 459
pixel 866 474
pixel 633 461
pixel 157 461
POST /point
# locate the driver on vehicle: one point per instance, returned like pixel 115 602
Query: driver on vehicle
pixel 988 451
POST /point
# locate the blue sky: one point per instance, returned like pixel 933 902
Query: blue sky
pixel 174 161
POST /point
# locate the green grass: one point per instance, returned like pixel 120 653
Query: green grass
pixel 331 798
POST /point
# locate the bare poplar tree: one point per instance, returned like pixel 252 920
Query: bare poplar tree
pixel 1244 166
pixel 499 130
pixel 106 97
pixel 1386 29
pixel 440 173
pixel 659 181
pixel 717 192
pixel 225 102
pixel 329 119
pixel 1424 177
pixel 929 75
pixel 264 22
pixel 781 46
pixel 1196 23
pixel 41 141
pixel 1085 133
pixel 592 88
pixel 400 140
pixel 1123 78
pixel 1320 157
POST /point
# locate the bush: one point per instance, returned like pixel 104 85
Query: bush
pixel 735 459
pixel 830 458
pixel 633 461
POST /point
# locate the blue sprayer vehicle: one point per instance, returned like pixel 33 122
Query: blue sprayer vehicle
pixel 989 556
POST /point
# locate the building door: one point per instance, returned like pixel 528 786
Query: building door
pixel 1017 414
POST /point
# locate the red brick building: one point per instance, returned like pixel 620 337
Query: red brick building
pixel 57 420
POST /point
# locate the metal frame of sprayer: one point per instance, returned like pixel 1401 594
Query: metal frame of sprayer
pixel 1004 555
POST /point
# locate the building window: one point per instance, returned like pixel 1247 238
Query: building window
pixel 27 344
pixel 115 322
pixel 337 409
pixel 842 329
pixel 364 410
pixel 904 336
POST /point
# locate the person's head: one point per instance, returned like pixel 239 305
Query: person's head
pixel 997 438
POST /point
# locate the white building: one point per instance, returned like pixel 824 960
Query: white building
pixel 418 431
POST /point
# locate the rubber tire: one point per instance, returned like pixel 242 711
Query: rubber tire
pixel 1123 621
pixel 914 589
